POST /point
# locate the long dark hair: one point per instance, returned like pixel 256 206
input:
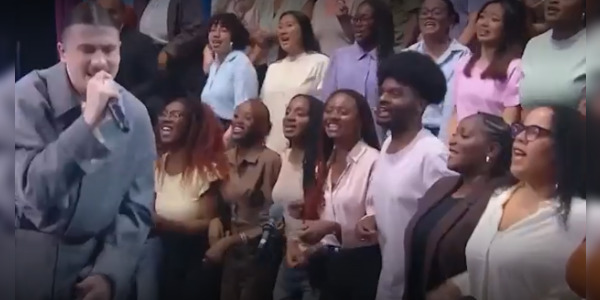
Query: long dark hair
pixel 514 37
pixel 317 148
pixel 368 130
pixel 309 40
pixel 383 28
pixel 569 136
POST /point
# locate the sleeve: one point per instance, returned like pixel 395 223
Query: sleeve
pixel 510 96
pixel 461 281
pixel 245 83
pixel 369 205
pixel 125 238
pixel 192 33
pixel 435 167
pixel 271 173
pixel 330 80
pixel 320 71
pixel 39 159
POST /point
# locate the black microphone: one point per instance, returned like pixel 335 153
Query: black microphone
pixel 275 216
pixel 117 114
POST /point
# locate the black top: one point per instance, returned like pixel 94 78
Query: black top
pixel 423 227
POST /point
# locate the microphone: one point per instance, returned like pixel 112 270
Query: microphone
pixel 117 114
pixel 275 216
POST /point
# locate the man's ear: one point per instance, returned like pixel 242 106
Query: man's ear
pixel 60 47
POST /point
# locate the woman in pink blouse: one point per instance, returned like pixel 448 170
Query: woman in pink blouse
pixel 348 267
pixel 488 81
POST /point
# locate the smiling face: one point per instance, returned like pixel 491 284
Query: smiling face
pixel 87 50
pixel 533 155
pixel 173 123
pixel 398 105
pixel 243 123
pixel 434 18
pixel 290 35
pixel 468 146
pixel 490 24
pixel 296 118
pixel 341 118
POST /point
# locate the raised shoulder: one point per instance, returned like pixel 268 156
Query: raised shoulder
pixel 270 157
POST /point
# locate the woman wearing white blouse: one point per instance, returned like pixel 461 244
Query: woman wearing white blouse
pixel 521 245
pixel 300 71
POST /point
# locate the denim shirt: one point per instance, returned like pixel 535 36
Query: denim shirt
pixel 438 115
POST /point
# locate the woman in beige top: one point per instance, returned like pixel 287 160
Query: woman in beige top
pixel 192 162
pixel 300 70
pixel 302 128
pixel 246 197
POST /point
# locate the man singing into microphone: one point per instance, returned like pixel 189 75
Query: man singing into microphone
pixel 84 188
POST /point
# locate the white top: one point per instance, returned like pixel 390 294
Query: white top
pixel 526 261
pixel 285 79
pixel 289 189
pixel 154 21
pixel 399 181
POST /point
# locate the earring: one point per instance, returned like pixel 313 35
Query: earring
pixel 230 44
pixel 487 159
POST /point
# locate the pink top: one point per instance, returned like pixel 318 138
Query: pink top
pixel 347 203
pixel 473 94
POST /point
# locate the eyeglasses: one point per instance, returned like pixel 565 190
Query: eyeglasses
pixel 532 132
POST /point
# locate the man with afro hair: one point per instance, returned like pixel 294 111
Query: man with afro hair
pixel 412 159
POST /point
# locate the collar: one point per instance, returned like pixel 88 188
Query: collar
pixel 231 56
pixel 453 48
pixel 355 154
pixel 61 94
pixel 359 53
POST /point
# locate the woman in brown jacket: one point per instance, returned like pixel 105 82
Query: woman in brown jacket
pixel 480 151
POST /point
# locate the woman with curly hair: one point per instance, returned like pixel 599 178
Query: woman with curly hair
pixel 191 164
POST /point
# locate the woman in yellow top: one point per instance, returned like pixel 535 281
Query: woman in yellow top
pixel 191 164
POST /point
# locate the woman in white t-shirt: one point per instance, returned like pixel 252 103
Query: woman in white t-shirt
pixel 300 70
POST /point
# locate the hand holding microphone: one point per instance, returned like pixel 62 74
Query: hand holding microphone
pixel 102 94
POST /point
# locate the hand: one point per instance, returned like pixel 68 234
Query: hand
pixel 366 229
pixel 261 37
pixel 314 231
pixel 216 252
pixel 447 291
pixel 100 89
pixel 209 55
pixel 342 9
pixel 296 209
pixel 294 255
pixel 95 287
pixel 163 60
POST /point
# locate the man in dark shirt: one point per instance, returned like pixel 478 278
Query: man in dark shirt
pixel 138 70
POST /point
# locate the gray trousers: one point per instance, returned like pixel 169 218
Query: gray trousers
pixel 293 284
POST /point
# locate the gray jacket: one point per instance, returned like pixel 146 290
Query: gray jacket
pixel 84 204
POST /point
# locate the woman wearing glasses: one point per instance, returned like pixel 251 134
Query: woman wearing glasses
pixel 528 231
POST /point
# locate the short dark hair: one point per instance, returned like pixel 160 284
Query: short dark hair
pixel 499 132
pixel 240 37
pixel 89 13
pixel 418 71
pixel 514 38
pixel 309 40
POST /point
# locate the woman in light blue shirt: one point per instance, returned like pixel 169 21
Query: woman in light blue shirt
pixel 436 19
pixel 231 76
